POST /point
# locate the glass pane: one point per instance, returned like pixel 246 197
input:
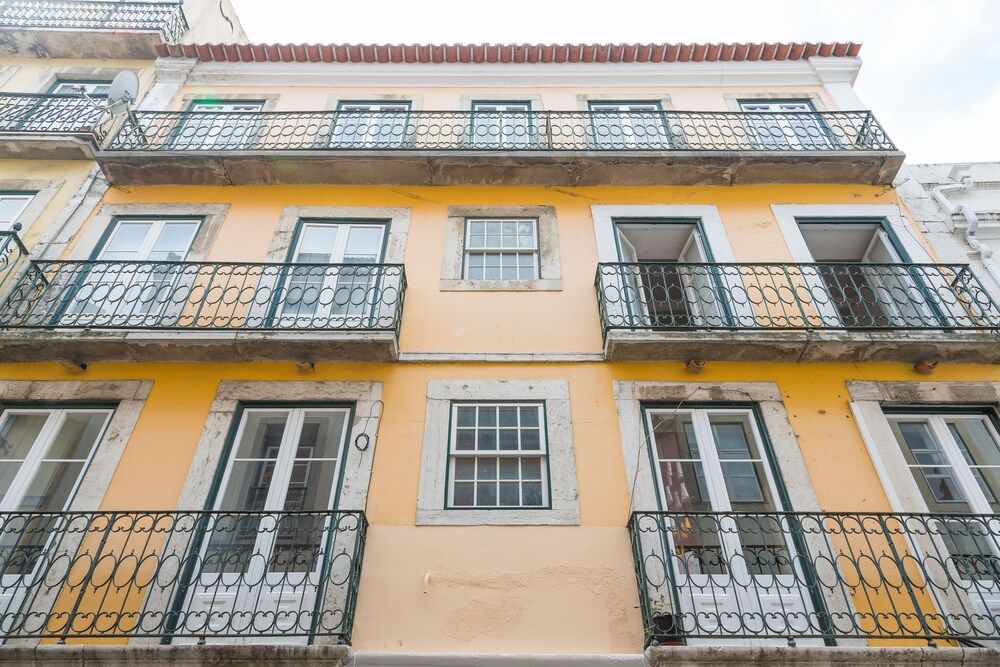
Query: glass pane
pixel 364 245
pixel 531 468
pixel 466 416
pixel 486 494
pixel 531 494
pixel 248 486
pixel 530 439
pixel 508 468
pixel 464 494
pixel 674 436
pixel 487 416
pixel 19 433
pixel 51 487
pixel 8 472
pixel 316 243
pixel 465 439
pixel 733 438
pixel 684 486
pixel 321 435
pixel 465 469
pixel 11 207
pixel 78 435
pixel 508 416
pixel 126 241
pixel 262 434
pixel 529 416
pixel 510 494
pixel 174 242
pixel 918 443
pixel 976 442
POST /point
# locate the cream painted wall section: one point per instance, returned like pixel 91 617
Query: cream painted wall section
pixel 34 75
pixel 70 173
pixel 304 98
pixel 558 321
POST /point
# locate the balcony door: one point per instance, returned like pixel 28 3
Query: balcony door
pixel 219 126
pixel 861 279
pixel 336 275
pixel 370 125
pixel 733 573
pixel 43 456
pixel 955 462
pixel 501 125
pixel 265 555
pixel 786 125
pixel 629 126
pixel 667 278
pixel 137 272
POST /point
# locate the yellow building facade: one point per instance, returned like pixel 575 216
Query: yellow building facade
pixel 675 366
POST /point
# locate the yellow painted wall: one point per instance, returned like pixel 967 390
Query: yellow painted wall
pixel 531 589
pixel 70 173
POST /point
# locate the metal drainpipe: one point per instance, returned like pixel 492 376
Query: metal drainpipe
pixel 971 218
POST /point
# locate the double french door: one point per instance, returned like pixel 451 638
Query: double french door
pixel 629 126
pixel 336 276
pixel 735 569
pixel 790 125
pixel 375 125
pixel 220 126
pixel 44 454
pixel 137 271
pixel 264 554
pixel 501 125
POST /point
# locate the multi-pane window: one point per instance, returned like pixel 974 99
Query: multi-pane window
pixel 370 125
pixel 629 125
pixel 501 249
pixel 218 125
pixel 501 124
pixel 786 125
pixel 498 456
pixel 12 205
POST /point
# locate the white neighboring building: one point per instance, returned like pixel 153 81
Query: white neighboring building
pixel 958 208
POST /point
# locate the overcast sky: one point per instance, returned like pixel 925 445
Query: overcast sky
pixel 931 67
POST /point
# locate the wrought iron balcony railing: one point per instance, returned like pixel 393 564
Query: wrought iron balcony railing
pixel 206 296
pixel 180 576
pixel 817 576
pixel 12 251
pixel 536 131
pixel 834 296
pixel 164 16
pixel 48 114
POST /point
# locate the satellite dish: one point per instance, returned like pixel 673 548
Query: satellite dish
pixel 124 88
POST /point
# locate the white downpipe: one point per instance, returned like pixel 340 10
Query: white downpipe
pixel 972 221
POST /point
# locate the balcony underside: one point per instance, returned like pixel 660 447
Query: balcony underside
pixel 84 346
pixel 567 168
pixel 46 146
pixel 829 346
pixel 107 44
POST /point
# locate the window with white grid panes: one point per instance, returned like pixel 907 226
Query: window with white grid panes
pixel 501 249
pixel 498 456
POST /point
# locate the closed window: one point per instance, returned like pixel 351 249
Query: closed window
pixel 501 249
pixel 498 456
pixel 12 205
pixel 91 88
pixel 370 125
pixel 629 125
pixel 501 124
pixel 218 126
pixel 786 125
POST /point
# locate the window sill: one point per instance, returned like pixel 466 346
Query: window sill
pixel 498 517
pixel 539 285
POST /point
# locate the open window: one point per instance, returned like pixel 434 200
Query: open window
pixel 861 278
pixel 668 278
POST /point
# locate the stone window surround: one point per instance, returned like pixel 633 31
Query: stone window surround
pixel 866 401
pixel 564 502
pixel 44 192
pixel 334 100
pixel 213 216
pixel 399 227
pixel 733 99
pixel 605 216
pixel 357 463
pixel 549 272
pixel 270 100
pixel 787 216
pixel 583 100
pixel 629 399
pixel 128 395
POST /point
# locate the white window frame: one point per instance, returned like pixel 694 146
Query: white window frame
pixel 542 453
pixel 26 473
pixel 72 86
pixel 152 236
pixel 373 133
pixel 209 141
pixel 624 109
pixel 27 197
pixel 501 250
pixel 501 139
pixel 963 471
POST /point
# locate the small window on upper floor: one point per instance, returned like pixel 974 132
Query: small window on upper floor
pixel 786 125
pixel 501 249
pixel 498 456
pixel 12 205
pixel 370 125
pixel 97 89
